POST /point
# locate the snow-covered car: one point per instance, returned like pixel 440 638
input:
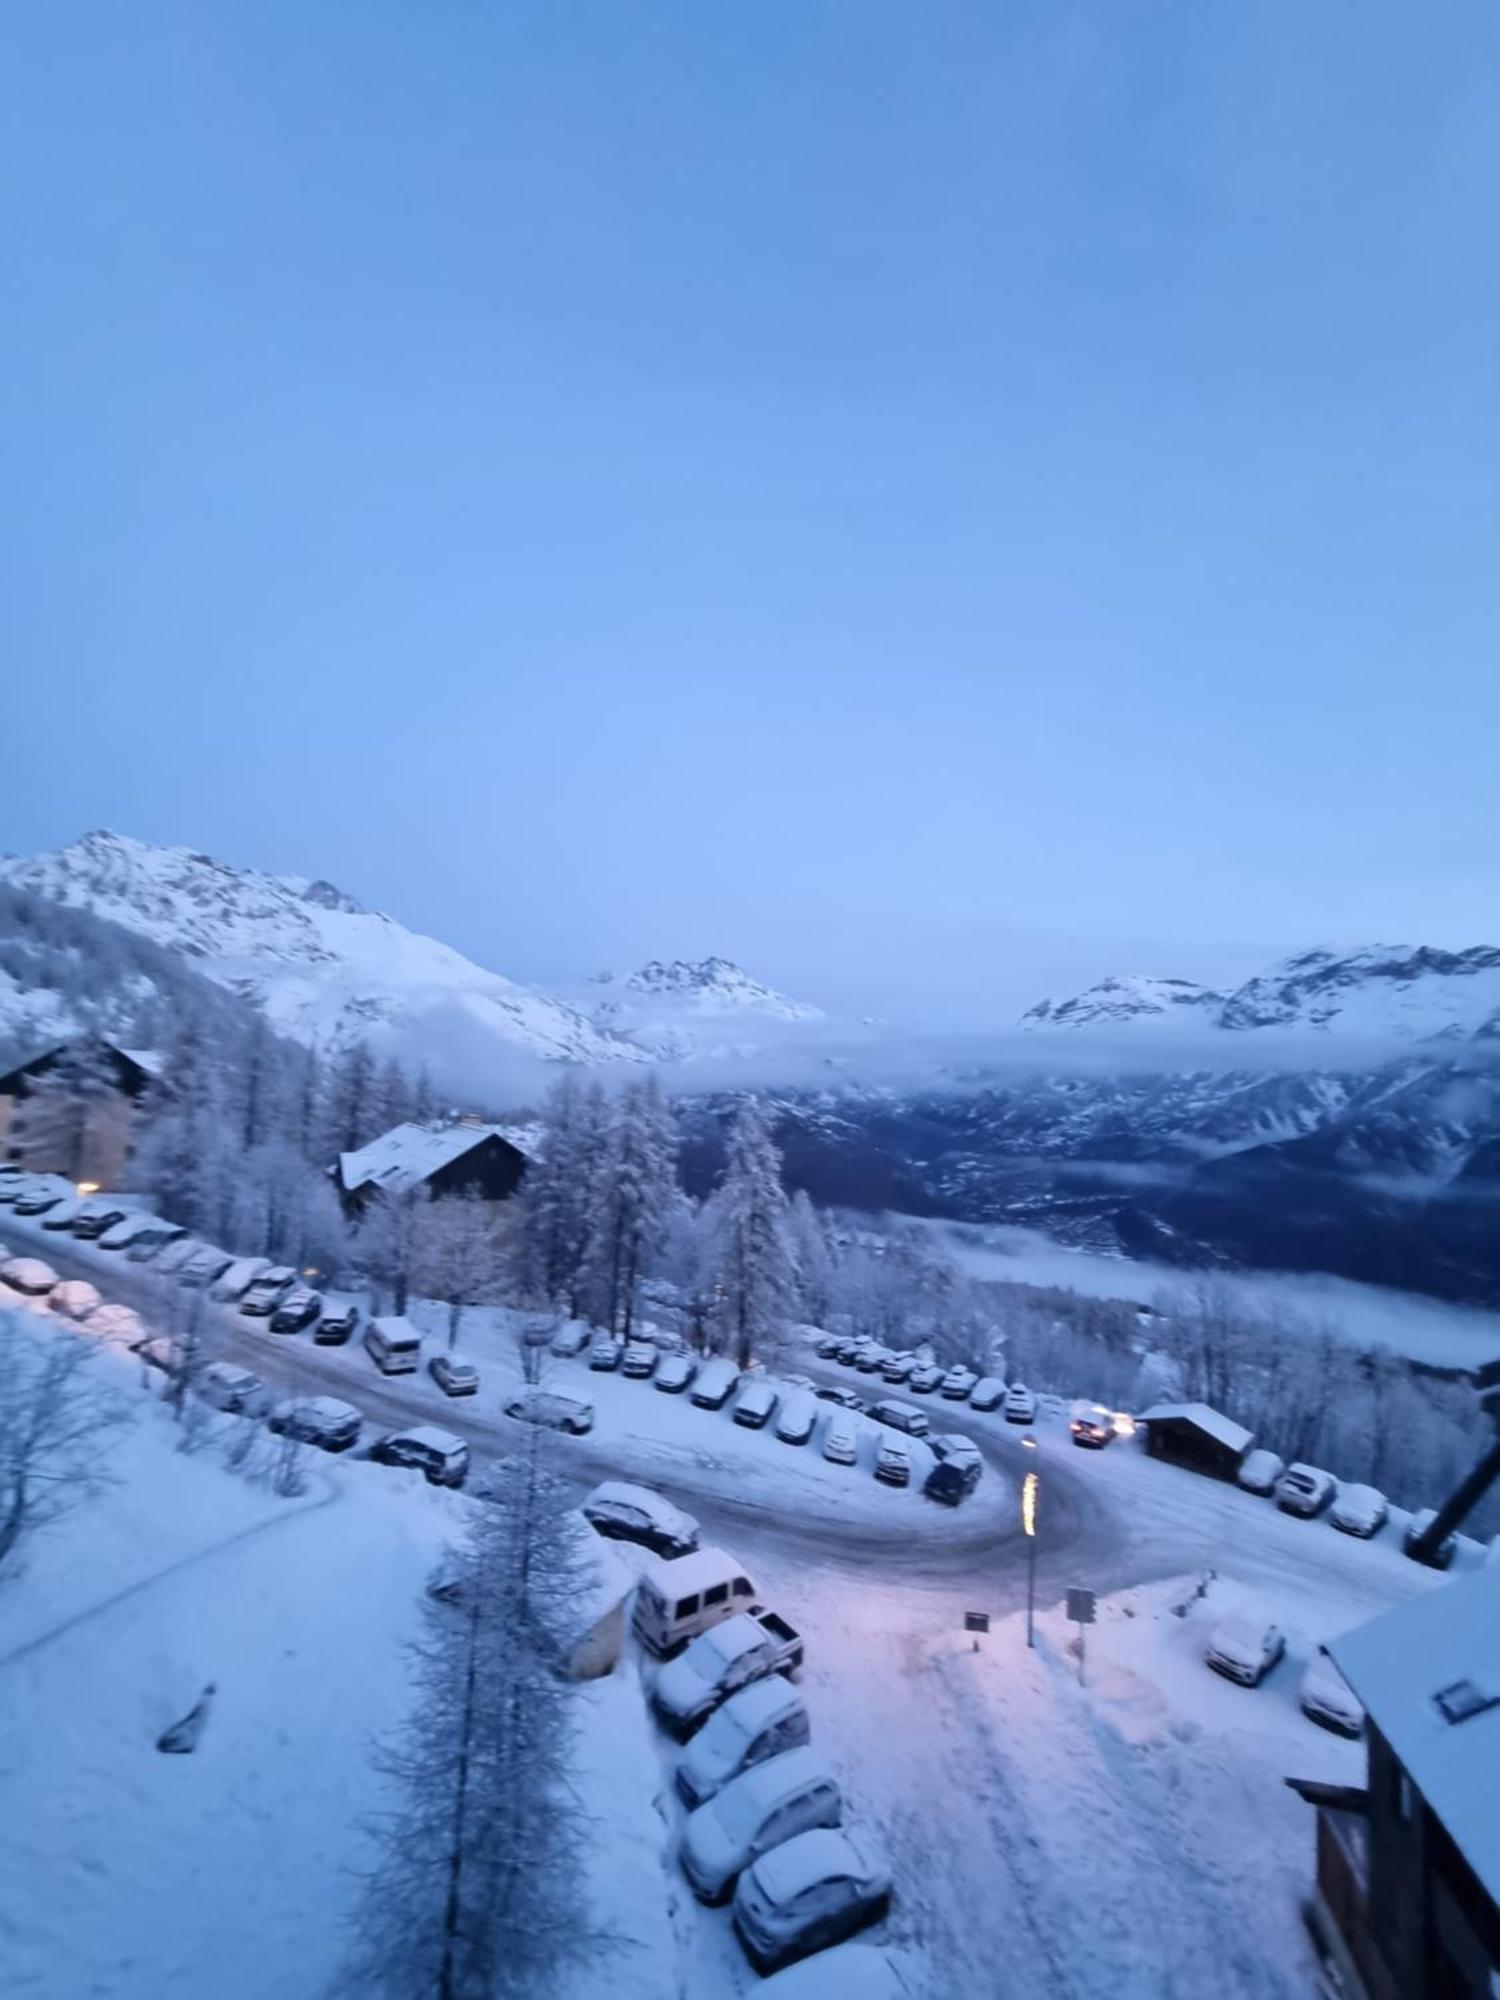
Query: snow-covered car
pixel 897 1367
pixel 715 1383
pixel 893 1461
pixel 606 1355
pixel 12 1182
pixel 553 1413
pixel 924 1379
pixel 571 1338
pixel 96 1214
pixel 231 1388
pixel 237 1277
pixel 1328 1698
pixel 988 1393
pixel 453 1375
pixel 763 1720
pixel 1305 1490
pixel 808 1893
pixel 442 1458
pixel 1359 1510
pixel 626 1513
pixel 850 1347
pixel 828 1346
pixel 957 1384
pixel 756 1405
pixel 41 1194
pixel 674 1373
pixel 1091 1426
pixel 719 1662
pixel 639 1360
pixel 841 1439
pixel 1416 1527
pixel 769 1804
pixel 338 1322
pixel 139 1226
pixel 862 1969
pixel 900 1417
pixel 205 1265
pixel 118 1323
pixel 296 1310
pixel 958 1470
pixel 843 1399
pixel 148 1244
pixel 173 1258
pixel 796 1418
pixel 1259 1471
pixel 76 1298
pixel 60 1215
pixel 1019 1406
pixel 261 1298
pixel 29 1276
pixel 1244 1649
pixel 870 1360
pixel 321 1420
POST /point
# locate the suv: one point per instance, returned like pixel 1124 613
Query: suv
pixel 553 1413
pixel 957 1472
pixel 893 1462
pixel 263 1296
pixel 605 1355
pixel 320 1420
pixel 625 1513
pixel 453 1376
pixel 639 1361
pixel 339 1323
pixel 233 1389
pixel 442 1457
pixel 297 1310
pixel 1091 1427
pixel 1305 1490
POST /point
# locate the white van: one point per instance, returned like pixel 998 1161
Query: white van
pixel 681 1597
pixel 394 1345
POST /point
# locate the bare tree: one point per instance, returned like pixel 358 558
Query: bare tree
pixel 459 1256
pixel 54 1421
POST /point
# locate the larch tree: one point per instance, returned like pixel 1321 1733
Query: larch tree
pixel 459 1256
pixel 635 1188
pixel 751 1252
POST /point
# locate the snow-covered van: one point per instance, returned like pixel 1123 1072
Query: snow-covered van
pixel 394 1345
pixel 682 1596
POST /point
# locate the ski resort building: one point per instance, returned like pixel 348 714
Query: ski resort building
pixel 1197 1436
pixel 74 1107
pixel 1408 1889
pixel 462 1156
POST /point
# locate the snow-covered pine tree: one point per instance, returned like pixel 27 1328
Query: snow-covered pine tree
pixel 564 1189
pixel 350 1110
pixel 635 1192
pixel 813 1258
pixel 751 1252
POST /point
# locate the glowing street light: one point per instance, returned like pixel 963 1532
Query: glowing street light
pixel 87 1187
pixel 1030 1487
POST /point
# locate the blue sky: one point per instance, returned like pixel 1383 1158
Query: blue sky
pixel 936 502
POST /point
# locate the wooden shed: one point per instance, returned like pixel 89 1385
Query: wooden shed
pixel 1197 1436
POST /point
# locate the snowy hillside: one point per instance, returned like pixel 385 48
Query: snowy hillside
pixel 1380 992
pixel 320 966
pixel 684 1010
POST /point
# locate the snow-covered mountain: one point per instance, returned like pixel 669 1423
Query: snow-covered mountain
pixel 686 1010
pixel 1403 993
pixel 320 966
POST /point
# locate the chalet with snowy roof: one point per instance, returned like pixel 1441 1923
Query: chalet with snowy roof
pixel 73 1107
pixel 1195 1435
pixel 461 1156
pixel 1408 1889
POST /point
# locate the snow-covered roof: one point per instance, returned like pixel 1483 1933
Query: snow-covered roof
pixel 407 1155
pixel 433 1438
pixel 1233 1436
pixel 1445 1644
pixel 621 1493
pixel 811 1857
pixel 683 1575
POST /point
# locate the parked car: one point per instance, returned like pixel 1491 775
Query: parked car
pixel 828 1347
pixel 719 1662
pixel 957 1384
pixel 757 1403
pixel 393 1344
pixel 1359 1510
pixel 988 1393
pixel 1259 1471
pixel 674 1373
pixel 893 1461
pixel 320 1420
pixel 897 1367
pixel 924 1379
pixel 958 1470
pixel 233 1389
pixel 626 1513
pixel 763 1720
pixel 236 1278
pixel 808 1893
pixel 120 1235
pixel 205 1265
pixel 900 1417
pixel 715 1383
pixel 1305 1490
pixel 61 1215
pixel 338 1321
pixel 862 1969
pixel 117 1323
pixel 639 1360
pixel 841 1439
pixel 850 1347
pixel 571 1338
pixel 871 1359
pixel 606 1354
pixel 440 1456
pixel 94 1216
pixel 262 1296
pixel 453 1375
pixel 1244 1649
pixel 797 1417
pixel 172 1259
pixel 12 1182
pixel 844 1399
pixel 41 1194
pixel 29 1276
pixel 553 1413
pixel 296 1310
pixel 1328 1698
pixel 1416 1527
pixel 771 1803
pixel 680 1597
pixel 1091 1427
pixel 1020 1405
pixel 76 1298
pixel 148 1243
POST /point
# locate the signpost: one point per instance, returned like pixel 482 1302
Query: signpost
pixel 1080 1613
pixel 976 1621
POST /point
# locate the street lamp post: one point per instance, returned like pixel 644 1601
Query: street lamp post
pixel 1029 1488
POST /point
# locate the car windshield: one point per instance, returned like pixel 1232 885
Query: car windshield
pixel 739 1813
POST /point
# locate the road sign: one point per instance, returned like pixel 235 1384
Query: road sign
pixel 976 1621
pixel 1080 1607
